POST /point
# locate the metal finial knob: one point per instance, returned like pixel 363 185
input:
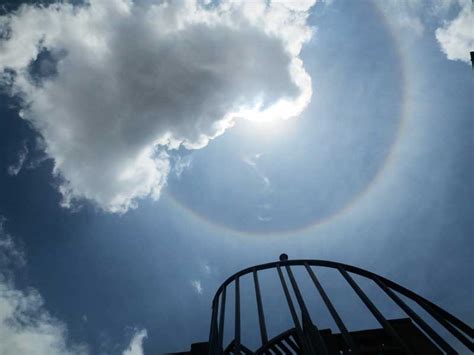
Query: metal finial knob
pixel 283 257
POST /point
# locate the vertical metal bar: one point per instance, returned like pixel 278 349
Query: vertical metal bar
pixel 337 319
pixel 296 321
pixel 213 333
pixel 237 316
pixel 412 314
pixel 221 321
pixel 312 330
pixel 380 318
pixel 261 315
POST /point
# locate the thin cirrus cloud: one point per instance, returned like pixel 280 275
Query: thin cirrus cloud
pixel 26 326
pixel 119 84
pixel 197 286
pixel 252 161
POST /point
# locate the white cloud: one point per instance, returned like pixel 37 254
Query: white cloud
pixel 252 161
pixel 10 255
pixel 456 37
pixel 264 214
pixel 405 15
pixel 136 345
pixel 196 284
pixel 264 219
pixel 181 164
pixel 207 269
pixel 15 168
pixel 133 81
pixel 297 5
pixel 26 327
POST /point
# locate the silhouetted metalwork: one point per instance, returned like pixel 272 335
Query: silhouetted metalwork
pixel 410 335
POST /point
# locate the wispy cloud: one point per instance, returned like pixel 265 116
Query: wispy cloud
pixel 207 269
pixel 264 219
pixel 264 209
pixel 136 345
pixel 26 326
pixel 181 164
pixel 15 168
pixel 196 284
pixel 252 161
pixel 405 16
pixel 10 255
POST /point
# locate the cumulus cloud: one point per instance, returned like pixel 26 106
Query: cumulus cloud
pixel 136 345
pixel 114 85
pixel 456 37
pixel 26 327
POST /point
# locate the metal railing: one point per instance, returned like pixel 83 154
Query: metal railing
pixel 305 337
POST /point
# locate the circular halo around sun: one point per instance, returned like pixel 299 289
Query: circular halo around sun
pixel 313 167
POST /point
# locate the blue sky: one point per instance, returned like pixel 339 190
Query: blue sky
pixel 148 152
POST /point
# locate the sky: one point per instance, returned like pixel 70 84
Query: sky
pixel 150 149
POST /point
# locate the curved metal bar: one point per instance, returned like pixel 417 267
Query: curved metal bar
pixel 355 270
pixel 455 326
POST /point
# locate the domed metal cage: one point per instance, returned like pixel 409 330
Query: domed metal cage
pixel 411 335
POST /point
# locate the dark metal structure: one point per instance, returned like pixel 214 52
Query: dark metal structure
pixel 411 335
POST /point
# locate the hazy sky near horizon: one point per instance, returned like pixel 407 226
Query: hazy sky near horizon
pixel 148 150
